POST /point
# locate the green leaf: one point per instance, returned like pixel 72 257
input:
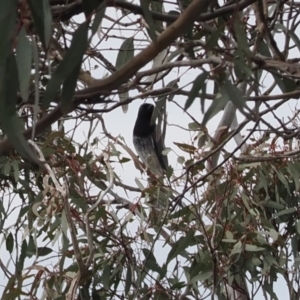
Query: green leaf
pixel 181 160
pixel 180 245
pixel 24 59
pixel 294 171
pixel 10 122
pixel 237 248
pixel 298 226
pixel 139 184
pixel 37 83
pixel 43 251
pixel 240 33
pixel 291 33
pixel 201 277
pixel 8 16
pixel 157 7
pixel 68 69
pixel 98 17
pixel 31 248
pixel 294 244
pixel 282 178
pixel 230 241
pixel 153 26
pixel 42 17
pixel 20 263
pixel 123 96
pixel 264 49
pixel 181 212
pixel 241 69
pixel 213 39
pixel 150 261
pixel 126 53
pixel 128 280
pixel 253 248
pixel 274 234
pixel 198 84
pixel 202 98
pixel 270 290
pixel 106 276
pixel 285 212
pixel 9 243
pixel 69 86
pixel 285 84
pixel 216 106
pixel 16 170
pixel 194 126
pixel 235 95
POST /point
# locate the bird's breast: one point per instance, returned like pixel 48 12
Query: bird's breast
pixel 145 149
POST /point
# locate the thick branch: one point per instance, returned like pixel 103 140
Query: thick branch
pixel 164 40
pixel 68 11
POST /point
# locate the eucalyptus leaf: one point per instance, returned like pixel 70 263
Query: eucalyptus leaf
pixel 98 17
pixel 150 261
pixel 240 33
pixel 198 84
pixel 8 18
pixel 153 26
pixel 24 61
pixel 235 95
pixel 41 12
pixel 179 246
pixel 10 122
pixel 126 53
pixel 216 106
pixel 68 69
pixel 292 34
pixel 123 96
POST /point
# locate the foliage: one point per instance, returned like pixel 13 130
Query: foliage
pixel 73 227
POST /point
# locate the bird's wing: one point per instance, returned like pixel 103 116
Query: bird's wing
pixel 159 147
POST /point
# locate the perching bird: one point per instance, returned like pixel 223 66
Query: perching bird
pixel 147 143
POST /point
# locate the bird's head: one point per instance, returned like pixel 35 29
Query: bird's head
pixel 146 112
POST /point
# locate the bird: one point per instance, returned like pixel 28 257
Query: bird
pixel 147 143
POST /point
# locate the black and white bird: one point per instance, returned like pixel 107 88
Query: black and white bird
pixel 148 144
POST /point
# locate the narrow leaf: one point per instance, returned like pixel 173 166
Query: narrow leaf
pixel 216 106
pixel 240 33
pixel 126 53
pixel 69 86
pixel 68 66
pixel 128 281
pixel 10 122
pixel 153 26
pixel 98 17
pixel 43 251
pixel 123 96
pixel 42 17
pixel 9 243
pixel 235 95
pixel 253 248
pixel 197 86
pixel 8 16
pixel 24 59
pixel 285 212
pixel 180 245
pixel 150 261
